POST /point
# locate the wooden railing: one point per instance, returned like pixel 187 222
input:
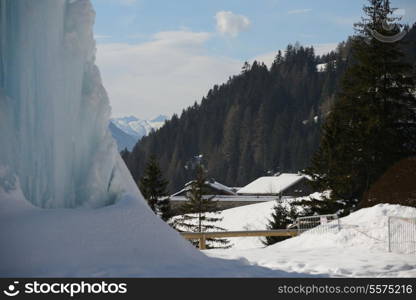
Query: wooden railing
pixel 202 236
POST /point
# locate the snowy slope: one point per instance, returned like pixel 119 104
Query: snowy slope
pixel 358 250
pixel 84 243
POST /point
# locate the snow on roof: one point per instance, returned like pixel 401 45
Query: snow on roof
pixel 235 198
pixel 271 184
pixel 221 187
pixel 212 183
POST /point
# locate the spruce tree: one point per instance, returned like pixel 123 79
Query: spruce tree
pixel 372 124
pixel 153 187
pixel 198 206
pixel 282 217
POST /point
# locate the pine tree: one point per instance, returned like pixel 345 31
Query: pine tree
pixel 282 217
pixel 197 206
pixel 372 124
pixel 153 187
pixel 246 68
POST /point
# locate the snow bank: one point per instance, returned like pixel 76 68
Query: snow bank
pixel 358 249
pixel 121 240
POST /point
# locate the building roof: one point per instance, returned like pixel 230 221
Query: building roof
pixel 234 198
pixel 270 185
pixel 211 183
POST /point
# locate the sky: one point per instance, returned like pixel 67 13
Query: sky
pixel 159 56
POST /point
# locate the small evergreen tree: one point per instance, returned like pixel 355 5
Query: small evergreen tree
pixel 197 206
pixel 153 187
pixel 282 217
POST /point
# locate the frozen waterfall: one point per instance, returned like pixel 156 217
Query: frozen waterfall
pixel 54 110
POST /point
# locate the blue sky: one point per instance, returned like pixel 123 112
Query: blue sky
pixel 157 57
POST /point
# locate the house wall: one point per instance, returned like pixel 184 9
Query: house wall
pixel 299 189
pixel 207 190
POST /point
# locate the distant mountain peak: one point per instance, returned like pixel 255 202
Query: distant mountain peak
pixel 135 128
pixel 160 118
pixel 127 119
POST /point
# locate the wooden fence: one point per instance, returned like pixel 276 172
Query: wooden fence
pixel 202 236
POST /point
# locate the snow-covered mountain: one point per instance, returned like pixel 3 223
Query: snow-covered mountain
pixel 128 130
pixel 158 121
pixel 122 139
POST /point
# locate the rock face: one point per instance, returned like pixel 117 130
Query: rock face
pixel 396 186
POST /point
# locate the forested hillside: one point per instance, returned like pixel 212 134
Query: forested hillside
pixel 262 120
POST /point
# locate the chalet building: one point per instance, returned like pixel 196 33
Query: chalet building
pixel 211 187
pixel 263 189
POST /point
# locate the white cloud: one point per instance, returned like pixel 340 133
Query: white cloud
pixel 299 11
pixel 231 24
pixel 161 76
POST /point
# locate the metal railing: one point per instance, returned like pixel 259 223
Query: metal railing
pixel 318 224
pixel 312 224
pixel 401 232
pixel 402 235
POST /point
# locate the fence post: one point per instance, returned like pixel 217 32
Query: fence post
pixel 202 244
pixel 339 225
pixel 298 225
pixel 389 233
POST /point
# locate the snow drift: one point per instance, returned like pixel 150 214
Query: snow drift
pixel 359 249
pixel 120 240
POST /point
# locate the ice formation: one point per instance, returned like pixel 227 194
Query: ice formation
pixel 54 110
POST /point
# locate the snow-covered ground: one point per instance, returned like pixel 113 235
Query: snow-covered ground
pixel 359 249
pixel 121 240
pixel 250 217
